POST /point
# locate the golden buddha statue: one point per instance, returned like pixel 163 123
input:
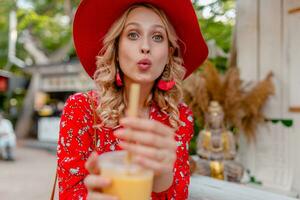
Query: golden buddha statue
pixel 216 148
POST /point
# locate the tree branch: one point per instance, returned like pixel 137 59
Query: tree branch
pixel 32 48
pixel 68 9
pixel 62 52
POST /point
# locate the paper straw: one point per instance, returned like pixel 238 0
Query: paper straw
pixel 133 107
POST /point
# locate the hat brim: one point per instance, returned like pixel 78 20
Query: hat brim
pixel 94 18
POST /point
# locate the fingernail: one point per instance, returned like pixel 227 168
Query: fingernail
pixel 118 132
pixel 106 181
pixel 125 120
pixel 125 145
pixel 121 143
pixel 94 154
pixel 122 120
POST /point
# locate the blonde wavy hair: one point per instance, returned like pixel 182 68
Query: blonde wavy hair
pixel 112 101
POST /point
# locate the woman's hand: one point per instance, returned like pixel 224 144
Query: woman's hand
pixel 94 182
pixel 152 144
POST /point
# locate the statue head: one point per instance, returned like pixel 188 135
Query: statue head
pixel 215 115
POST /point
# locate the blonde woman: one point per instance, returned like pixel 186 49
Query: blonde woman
pixel 119 42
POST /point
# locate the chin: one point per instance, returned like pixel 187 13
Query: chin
pixel 142 79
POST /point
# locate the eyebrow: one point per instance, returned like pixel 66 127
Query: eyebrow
pixel 137 24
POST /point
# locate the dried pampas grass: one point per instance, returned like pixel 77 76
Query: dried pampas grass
pixel 242 106
pixel 253 102
pixel 232 97
pixel 213 82
pixel 196 95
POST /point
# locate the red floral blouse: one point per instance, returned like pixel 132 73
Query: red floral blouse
pixel 76 144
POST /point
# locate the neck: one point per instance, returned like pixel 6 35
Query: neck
pixel 145 91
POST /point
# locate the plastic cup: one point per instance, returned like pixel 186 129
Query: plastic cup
pixel 129 180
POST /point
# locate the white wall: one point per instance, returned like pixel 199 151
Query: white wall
pixel 291 75
pixel 268 39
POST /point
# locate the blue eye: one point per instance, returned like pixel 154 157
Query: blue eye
pixel 133 36
pixel 157 38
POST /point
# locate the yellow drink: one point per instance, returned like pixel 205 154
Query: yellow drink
pixel 129 181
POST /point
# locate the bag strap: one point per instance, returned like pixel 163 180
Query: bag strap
pixel 54 186
pixel 95 139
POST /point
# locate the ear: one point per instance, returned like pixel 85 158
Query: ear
pixel 171 54
pixel 171 51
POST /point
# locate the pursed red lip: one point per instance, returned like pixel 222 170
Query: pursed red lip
pixel 144 64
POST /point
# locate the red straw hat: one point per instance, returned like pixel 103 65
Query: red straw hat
pixel 94 18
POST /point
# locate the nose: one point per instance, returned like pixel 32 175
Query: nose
pixel 145 48
pixel 145 51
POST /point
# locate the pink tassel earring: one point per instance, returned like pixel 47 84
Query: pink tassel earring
pixel 119 81
pixel 165 85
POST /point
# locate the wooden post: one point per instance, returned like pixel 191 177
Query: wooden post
pixel 270 47
pixel 25 121
pixel 247 39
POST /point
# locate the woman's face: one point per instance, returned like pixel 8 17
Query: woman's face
pixel 143 46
